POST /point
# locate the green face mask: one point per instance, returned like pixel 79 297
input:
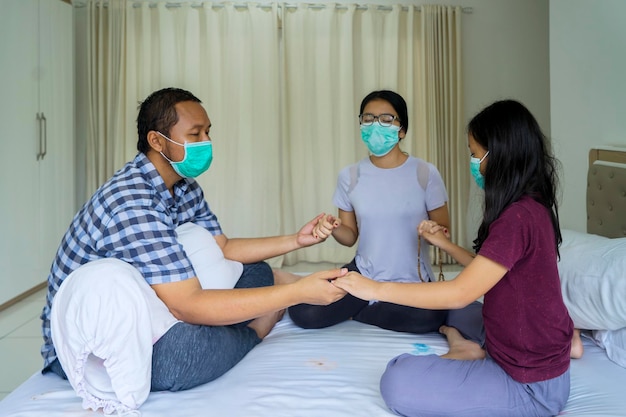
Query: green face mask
pixel 380 140
pixel 475 170
pixel 198 158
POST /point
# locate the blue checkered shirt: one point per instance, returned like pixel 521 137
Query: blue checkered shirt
pixel 132 217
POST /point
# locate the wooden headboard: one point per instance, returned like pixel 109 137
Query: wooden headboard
pixel 606 192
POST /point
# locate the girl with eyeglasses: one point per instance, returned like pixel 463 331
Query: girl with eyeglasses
pixel 381 200
pixel 524 369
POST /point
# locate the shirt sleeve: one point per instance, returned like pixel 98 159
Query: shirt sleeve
pixel 341 198
pixel 436 194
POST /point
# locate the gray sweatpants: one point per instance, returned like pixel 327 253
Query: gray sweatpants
pixel 431 386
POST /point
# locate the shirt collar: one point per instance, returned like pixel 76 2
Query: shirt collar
pixel 149 171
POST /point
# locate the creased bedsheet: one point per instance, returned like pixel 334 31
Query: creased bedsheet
pixel 313 373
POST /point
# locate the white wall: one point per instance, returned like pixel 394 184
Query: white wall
pixel 588 90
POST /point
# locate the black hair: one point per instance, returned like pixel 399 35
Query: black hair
pixel 157 112
pixel 396 101
pixel 519 163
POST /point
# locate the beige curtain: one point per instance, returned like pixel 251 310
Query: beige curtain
pixel 333 57
pixel 282 85
pixel 443 115
pixel 228 56
pixel 106 121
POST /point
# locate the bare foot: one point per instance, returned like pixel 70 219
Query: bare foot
pixel 577 346
pixel 460 347
pixel 284 277
pixel 264 324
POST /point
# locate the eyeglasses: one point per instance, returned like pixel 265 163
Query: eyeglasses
pixel 385 119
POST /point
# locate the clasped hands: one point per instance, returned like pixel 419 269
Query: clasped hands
pixel 326 223
pixel 433 232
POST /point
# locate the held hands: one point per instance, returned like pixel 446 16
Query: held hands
pixel 434 233
pixel 317 230
pixel 325 226
pixel 318 288
pixel 358 285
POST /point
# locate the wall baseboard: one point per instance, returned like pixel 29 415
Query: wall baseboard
pixel 22 296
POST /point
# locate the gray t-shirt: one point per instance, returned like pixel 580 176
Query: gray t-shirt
pixel 389 204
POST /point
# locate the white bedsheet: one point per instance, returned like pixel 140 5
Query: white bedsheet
pixel 312 373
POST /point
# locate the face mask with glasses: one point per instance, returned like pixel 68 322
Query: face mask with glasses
pixel 379 137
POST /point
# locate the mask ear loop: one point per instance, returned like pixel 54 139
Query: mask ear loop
pixel 419 262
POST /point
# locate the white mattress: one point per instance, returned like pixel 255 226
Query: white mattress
pixel 311 373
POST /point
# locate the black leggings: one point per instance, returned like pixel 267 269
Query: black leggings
pixel 467 320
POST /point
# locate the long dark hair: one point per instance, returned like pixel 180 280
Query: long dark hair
pixel 519 163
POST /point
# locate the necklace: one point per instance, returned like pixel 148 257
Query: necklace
pixel 419 262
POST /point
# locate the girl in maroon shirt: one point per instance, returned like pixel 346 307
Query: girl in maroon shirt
pixel 523 368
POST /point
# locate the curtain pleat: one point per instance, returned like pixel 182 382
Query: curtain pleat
pixel 104 150
pixel 447 143
pixel 282 86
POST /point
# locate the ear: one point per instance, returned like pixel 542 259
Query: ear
pixel 401 134
pixel 155 141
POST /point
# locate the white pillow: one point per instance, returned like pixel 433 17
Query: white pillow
pixel 593 280
pixel 104 320
pixel 614 342
pixel 212 269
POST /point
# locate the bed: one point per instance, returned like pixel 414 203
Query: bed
pixel 335 371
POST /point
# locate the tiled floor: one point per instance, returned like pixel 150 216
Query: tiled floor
pixel 20 341
pixel 20 334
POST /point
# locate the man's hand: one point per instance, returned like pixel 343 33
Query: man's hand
pixel 318 287
pixel 310 235
pixel 325 226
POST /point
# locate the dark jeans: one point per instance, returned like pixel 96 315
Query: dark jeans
pixel 390 316
pixel 189 355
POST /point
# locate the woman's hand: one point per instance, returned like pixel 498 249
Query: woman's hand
pixel 434 233
pixel 358 285
pixel 305 236
pixel 325 226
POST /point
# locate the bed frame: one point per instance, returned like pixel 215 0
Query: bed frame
pixel 336 371
pixel 606 192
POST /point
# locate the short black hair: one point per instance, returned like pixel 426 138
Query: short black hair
pixel 157 112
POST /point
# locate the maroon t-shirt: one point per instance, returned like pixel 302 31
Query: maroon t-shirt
pixel 528 329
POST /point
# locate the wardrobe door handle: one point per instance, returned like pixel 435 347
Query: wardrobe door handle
pixel 45 135
pixel 39 154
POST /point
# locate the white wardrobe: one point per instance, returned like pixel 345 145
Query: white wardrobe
pixel 37 145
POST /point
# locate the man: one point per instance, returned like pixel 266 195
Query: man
pixel 133 218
